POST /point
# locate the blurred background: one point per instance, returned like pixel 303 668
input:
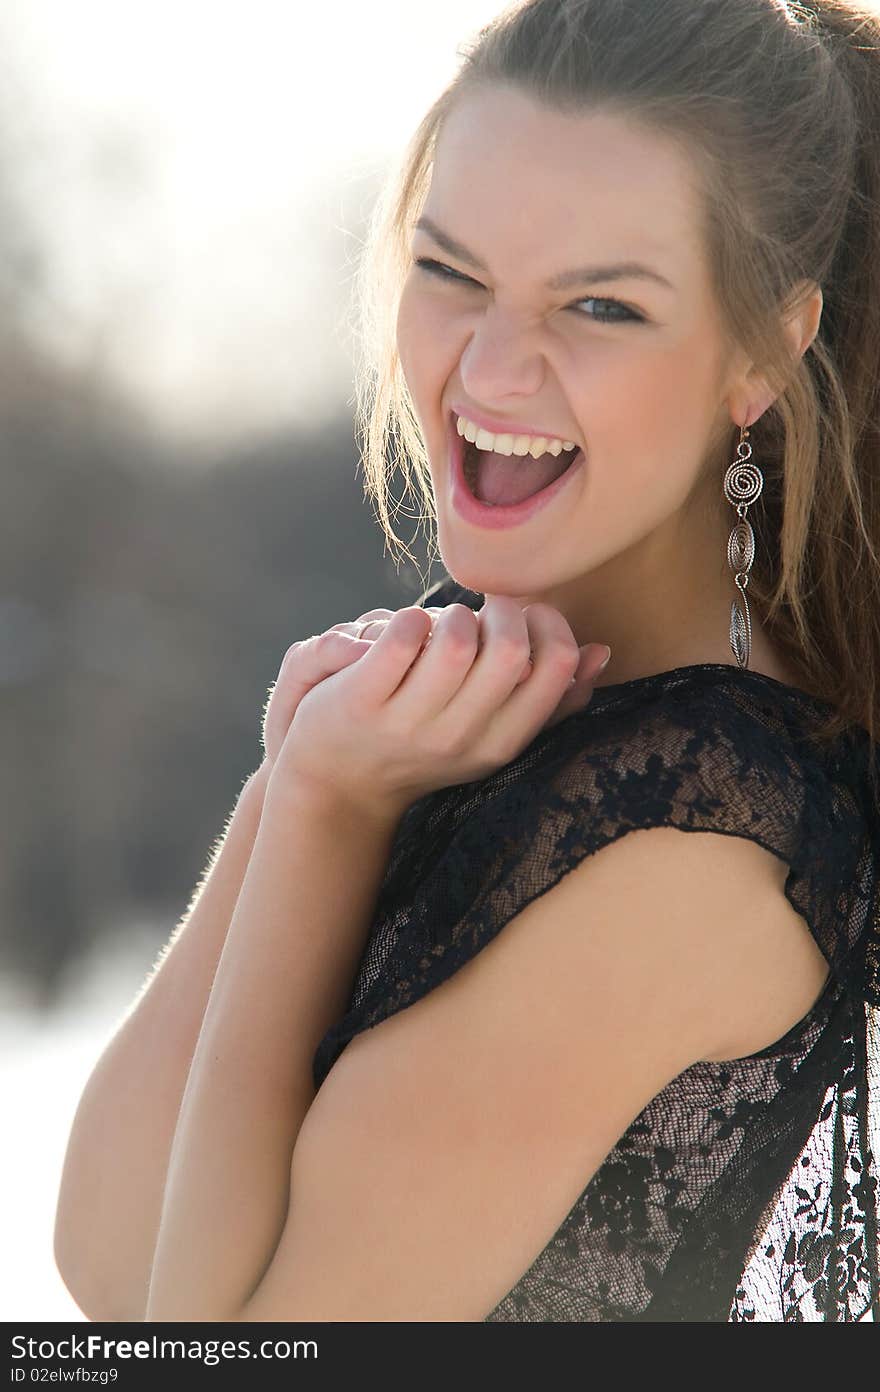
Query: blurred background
pixel 183 194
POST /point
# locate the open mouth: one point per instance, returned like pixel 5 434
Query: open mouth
pixel 499 480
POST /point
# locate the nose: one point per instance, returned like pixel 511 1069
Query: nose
pixel 501 360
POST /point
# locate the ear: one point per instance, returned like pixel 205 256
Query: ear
pixel 802 314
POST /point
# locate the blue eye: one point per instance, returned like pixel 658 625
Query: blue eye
pixel 630 314
pixel 443 272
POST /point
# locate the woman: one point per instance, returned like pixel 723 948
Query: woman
pixel 451 1044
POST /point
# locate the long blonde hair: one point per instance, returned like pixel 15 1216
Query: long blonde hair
pixel 778 104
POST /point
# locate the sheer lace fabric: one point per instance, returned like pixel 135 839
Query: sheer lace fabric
pixel 746 1189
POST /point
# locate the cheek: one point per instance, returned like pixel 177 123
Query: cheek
pixel 427 361
pixel 645 396
pixel 427 342
pixel 650 424
pixel 656 404
pixel 630 498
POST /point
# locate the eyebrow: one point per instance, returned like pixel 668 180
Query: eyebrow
pixel 581 275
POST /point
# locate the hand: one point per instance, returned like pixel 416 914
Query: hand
pixel 293 682
pixel 285 694
pixel 576 695
pixel 291 685
pixel 412 716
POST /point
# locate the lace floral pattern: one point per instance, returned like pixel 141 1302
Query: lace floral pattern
pixel 746 1189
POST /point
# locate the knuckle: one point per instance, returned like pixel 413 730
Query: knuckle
pixel 398 615
pixel 565 656
pixel 503 751
pixel 458 631
pixel 445 742
pixel 461 614
pixel 398 634
pixel 459 650
pixel 450 745
pixel 461 646
pixel 513 649
pixel 434 747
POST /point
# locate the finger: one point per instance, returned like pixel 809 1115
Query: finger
pixel 580 692
pixel 303 666
pixel 386 664
pixel 368 628
pixel 376 616
pixel 556 659
pixel 491 671
pixel 319 657
pixel 290 651
pixel 445 660
pixel 527 666
pixel 435 615
pixel 504 620
pixel 350 625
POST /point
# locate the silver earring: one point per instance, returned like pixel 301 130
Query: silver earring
pixel 743 483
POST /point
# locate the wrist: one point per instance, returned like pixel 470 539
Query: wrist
pixel 292 793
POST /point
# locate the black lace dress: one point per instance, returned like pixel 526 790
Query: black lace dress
pixel 746 1189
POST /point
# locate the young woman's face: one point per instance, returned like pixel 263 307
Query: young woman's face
pixel 631 368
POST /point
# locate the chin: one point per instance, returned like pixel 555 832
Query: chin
pixel 466 562
pixel 483 580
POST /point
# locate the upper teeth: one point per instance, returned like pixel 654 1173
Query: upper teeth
pixel 534 445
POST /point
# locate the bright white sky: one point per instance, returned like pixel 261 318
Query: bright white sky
pixel 197 171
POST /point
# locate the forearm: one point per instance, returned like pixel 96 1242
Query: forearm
pixel 117 1155
pixel 284 976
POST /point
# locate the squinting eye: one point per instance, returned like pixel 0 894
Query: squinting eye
pixel 630 314
pixel 437 268
pixel 444 272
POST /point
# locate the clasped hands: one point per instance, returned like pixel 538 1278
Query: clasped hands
pixel 422 699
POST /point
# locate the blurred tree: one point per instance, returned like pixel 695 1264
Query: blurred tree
pixel 145 604
pixel 148 591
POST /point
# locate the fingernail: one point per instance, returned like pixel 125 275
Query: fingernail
pixel 606 659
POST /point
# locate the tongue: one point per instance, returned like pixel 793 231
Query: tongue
pixel 509 479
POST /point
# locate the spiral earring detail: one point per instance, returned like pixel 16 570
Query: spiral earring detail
pixel 743 483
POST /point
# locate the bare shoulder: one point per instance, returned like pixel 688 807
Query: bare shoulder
pixel 721 901
pixel 700 918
